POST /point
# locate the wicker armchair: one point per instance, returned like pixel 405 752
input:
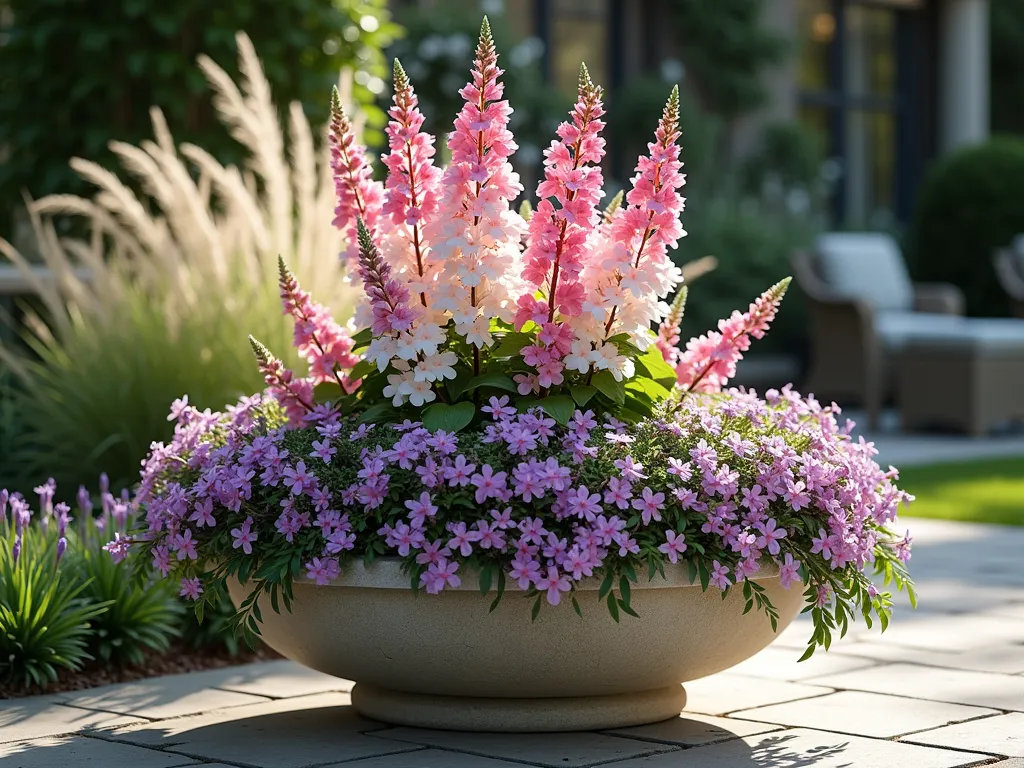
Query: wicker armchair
pixel 1009 264
pixel 857 325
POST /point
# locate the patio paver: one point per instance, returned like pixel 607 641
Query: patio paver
pixel 944 689
pixel 809 748
pixel 41 716
pixel 1003 735
pixel 865 714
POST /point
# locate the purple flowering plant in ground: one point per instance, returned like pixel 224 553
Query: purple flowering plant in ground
pixel 508 414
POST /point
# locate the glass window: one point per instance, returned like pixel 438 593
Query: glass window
pixel 579 33
pixel 868 168
pixel 817 29
pixel 869 47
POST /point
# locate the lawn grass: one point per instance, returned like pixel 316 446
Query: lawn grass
pixel 988 491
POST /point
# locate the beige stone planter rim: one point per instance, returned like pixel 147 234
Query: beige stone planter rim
pixel 386 573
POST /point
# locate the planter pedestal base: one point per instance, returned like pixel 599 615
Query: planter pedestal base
pixel 470 713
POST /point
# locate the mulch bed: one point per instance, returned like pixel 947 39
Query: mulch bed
pixel 180 658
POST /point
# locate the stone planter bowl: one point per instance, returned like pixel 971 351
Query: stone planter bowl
pixel 444 661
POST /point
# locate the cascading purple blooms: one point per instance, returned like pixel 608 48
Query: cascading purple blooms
pixel 734 484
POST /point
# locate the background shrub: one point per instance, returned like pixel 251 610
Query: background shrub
pixel 75 75
pixel 971 204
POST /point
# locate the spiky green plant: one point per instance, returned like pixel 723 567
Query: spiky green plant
pixel 142 617
pixel 44 616
pixel 178 277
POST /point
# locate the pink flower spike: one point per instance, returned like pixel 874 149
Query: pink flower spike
pixel 556 247
pixel 710 360
pixel 359 196
pixel 414 184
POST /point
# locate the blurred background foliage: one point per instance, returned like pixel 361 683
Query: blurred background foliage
pixel 76 74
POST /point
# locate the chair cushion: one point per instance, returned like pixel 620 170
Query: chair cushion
pixel 900 330
pixel 866 266
pixel 1017 247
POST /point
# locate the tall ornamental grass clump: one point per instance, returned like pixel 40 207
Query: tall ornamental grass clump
pixel 178 275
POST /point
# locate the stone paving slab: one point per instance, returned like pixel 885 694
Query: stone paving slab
pixel 572 750
pixel 691 730
pixel 722 693
pixel 805 748
pixel 1007 659
pixel 40 716
pixel 865 714
pixel 159 697
pixel 982 689
pixel 84 753
pixel 427 758
pixel 1003 735
pixel 781 664
pixel 289 733
pixel 281 680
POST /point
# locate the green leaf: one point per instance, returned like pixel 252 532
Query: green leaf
pixel 496 380
pixel 360 369
pixel 576 607
pixel 624 589
pixel 380 412
pixel 362 338
pixel 450 418
pixel 625 346
pixel 327 392
pixel 582 394
pixel 609 387
pixel 613 607
pixel 458 385
pixel 511 344
pixel 656 368
pixel 558 407
pixel 485 580
pixel 648 388
pixel 536 608
pixel 606 585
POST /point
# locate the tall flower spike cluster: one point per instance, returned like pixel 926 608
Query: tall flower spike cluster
pixel 476 236
pixel 668 331
pixel 325 345
pixel 359 196
pixel 635 269
pixel 412 189
pixel 710 360
pixel 557 248
pixel 293 393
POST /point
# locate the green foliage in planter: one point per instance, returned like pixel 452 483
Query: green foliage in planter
pixel 75 75
pixel 217 627
pixel 971 204
pixel 44 616
pixel 143 617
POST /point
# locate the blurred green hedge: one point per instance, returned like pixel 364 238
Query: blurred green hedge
pixel 971 204
pixel 75 74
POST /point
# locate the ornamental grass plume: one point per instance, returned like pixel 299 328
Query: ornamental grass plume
pixel 153 301
pixel 515 419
